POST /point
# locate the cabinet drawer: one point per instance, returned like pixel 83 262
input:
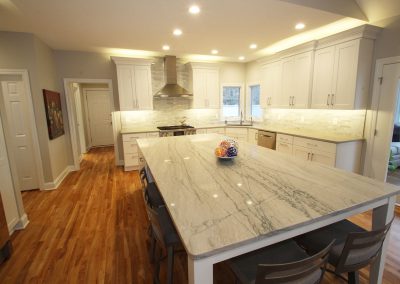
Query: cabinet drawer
pixel 315 144
pixel 153 134
pixel 131 160
pixel 133 137
pixel 236 131
pixel 283 147
pixel 324 158
pixel 284 138
pixel 130 147
pixel 216 130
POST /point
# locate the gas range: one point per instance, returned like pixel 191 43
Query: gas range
pixel 176 130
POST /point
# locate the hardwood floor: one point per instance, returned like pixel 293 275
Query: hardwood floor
pixel 93 230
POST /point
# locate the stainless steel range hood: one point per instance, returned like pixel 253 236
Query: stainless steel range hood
pixel 171 88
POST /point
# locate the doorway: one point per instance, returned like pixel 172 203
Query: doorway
pixel 98 116
pixel 382 155
pixel 16 110
pixel 90 103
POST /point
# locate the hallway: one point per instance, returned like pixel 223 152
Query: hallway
pixel 93 229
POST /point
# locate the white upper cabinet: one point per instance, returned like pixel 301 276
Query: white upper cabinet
pixel 296 78
pixel 205 83
pixel 134 83
pixel 271 84
pixel 342 74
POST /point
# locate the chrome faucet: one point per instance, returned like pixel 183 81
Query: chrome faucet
pixel 183 120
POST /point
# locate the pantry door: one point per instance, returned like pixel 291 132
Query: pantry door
pixel 99 117
pixel 17 123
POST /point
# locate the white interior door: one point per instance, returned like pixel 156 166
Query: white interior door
pixel 7 188
pixel 384 121
pixel 99 116
pixel 16 110
pixel 79 120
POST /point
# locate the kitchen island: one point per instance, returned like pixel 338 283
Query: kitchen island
pixel 222 209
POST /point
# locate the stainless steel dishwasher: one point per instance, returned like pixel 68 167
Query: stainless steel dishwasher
pixel 267 139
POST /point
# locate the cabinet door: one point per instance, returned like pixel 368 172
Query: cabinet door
pixel 212 89
pixel 284 148
pixel 302 76
pixel 126 87
pixel 199 88
pixel 301 152
pixel 287 82
pixel 252 136
pixel 345 75
pixel 143 91
pixel 323 76
pixel 324 158
pixel 271 80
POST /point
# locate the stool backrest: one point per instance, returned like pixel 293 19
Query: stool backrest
pixel 307 271
pixel 155 223
pixel 361 249
pixel 143 177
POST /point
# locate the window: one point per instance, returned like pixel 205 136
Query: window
pixel 255 106
pixel 231 101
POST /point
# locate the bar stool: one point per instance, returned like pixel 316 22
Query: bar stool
pixel 284 262
pixel 154 196
pixel 353 249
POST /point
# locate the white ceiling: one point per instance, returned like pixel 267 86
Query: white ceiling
pixel 227 25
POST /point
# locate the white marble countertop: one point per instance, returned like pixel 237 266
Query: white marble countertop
pixel 217 205
pixel 296 132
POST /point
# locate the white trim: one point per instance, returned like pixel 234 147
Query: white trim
pixel 31 117
pixel 22 223
pixel 242 99
pixel 131 60
pixel 116 124
pixel 248 100
pixel 372 113
pixel 56 183
pixel 11 226
pixel 71 111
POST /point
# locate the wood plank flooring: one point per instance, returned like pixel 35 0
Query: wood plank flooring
pixel 93 230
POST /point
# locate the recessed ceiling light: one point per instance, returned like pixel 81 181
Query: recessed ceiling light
pixel 300 26
pixel 177 32
pixel 253 46
pixel 241 57
pixel 165 47
pixel 214 51
pixel 194 9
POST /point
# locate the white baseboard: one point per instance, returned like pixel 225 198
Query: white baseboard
pixel 18 224
pixel 54 185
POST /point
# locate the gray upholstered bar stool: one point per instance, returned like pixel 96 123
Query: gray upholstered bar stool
pixel 153 194
pixel 284 262
pixel 165 237
pixel 354 247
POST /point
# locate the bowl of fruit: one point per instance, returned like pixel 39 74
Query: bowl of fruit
pixel 227 149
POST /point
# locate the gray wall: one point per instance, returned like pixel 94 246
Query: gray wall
pixel 25 51
pixel 86 65
pixel 388 42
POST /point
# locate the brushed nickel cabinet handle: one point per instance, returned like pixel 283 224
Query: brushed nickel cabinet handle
pixel 332 98
pixel 308 156
pixel 327 99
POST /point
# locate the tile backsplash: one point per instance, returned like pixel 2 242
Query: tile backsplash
pixel 323 121
pixel 338 122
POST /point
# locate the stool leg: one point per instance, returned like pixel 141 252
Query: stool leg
pixel 170 271
pixel 157 270
pixel 353 277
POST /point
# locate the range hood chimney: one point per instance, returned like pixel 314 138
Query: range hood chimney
pixel 171 88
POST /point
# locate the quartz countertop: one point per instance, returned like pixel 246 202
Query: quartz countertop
pixel 217 205
pixel 131 130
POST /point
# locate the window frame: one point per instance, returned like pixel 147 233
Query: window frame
pixel 248 102
pixel 242 95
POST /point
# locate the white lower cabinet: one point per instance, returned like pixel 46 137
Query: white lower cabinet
pixel 239 134
pixel 252 136
pixel 346 155
pixel 132 159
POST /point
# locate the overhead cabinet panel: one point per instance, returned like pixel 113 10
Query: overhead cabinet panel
pixel 205 86
pixel 271 84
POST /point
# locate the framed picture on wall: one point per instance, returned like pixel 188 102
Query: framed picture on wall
pixel 52 103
